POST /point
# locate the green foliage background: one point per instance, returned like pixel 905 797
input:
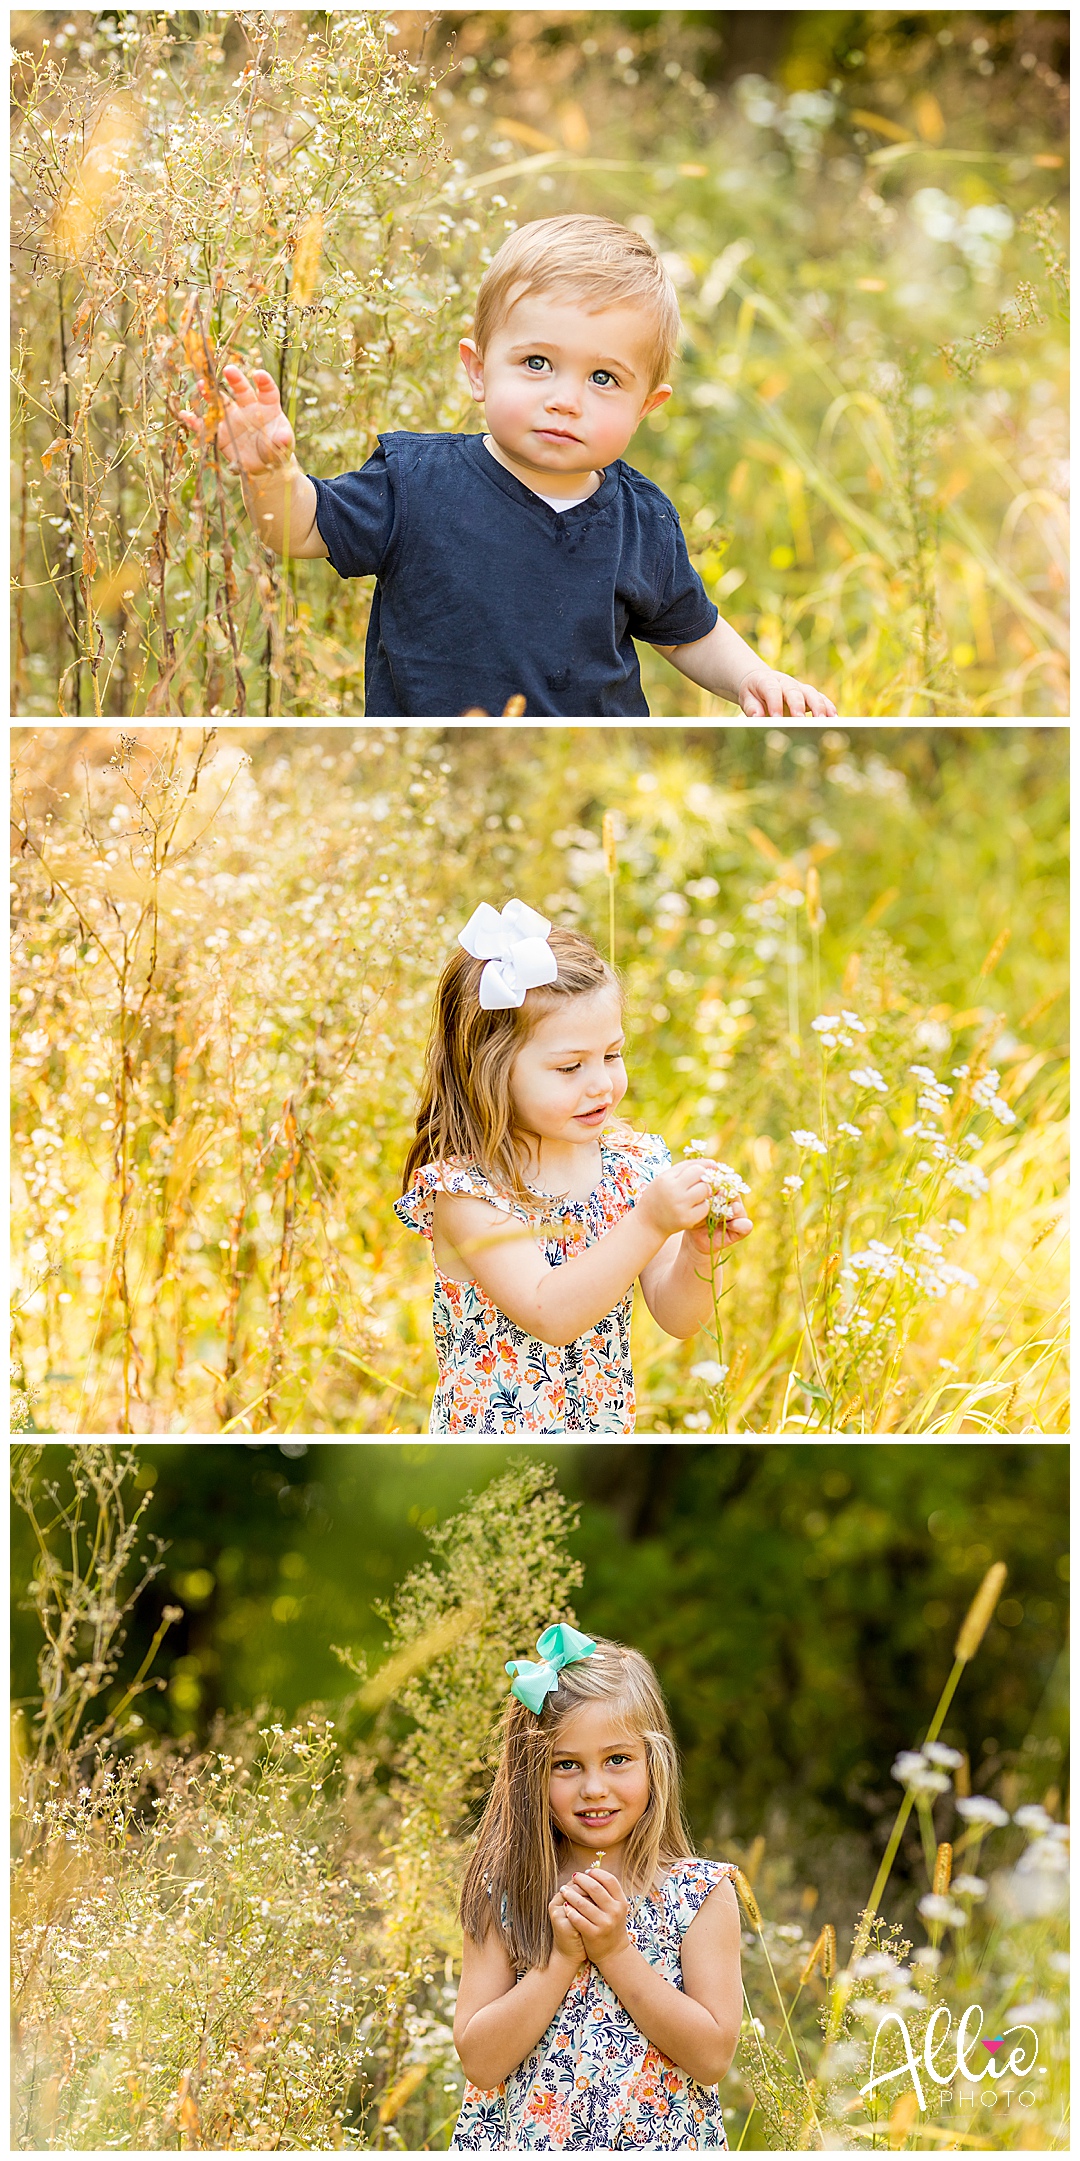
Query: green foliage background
pixel 800 1603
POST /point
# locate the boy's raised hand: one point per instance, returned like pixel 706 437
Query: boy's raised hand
pixel 254 435
pixel 763 692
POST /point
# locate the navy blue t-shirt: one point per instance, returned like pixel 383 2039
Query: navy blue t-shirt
pixel 484 592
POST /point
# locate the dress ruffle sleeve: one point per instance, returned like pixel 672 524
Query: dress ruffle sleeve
pixel 416 1208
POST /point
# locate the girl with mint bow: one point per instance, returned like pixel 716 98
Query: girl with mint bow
pixel 543 1210
pixel 600 1993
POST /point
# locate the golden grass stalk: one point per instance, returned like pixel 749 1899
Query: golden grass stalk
pixel 815 913
pixel 611 864
pixel 823 1953
pixel 942 1870
pixel 975 1624
pixel 753 1912
pixel 305 270
pixel 400 2091
pixel 980 1613
pixel 413 1657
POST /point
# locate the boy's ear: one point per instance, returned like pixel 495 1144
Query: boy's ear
pixel 473 364
pixel 656 397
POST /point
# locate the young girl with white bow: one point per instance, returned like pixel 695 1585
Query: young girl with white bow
pixel 600 1995
pixel 542 1213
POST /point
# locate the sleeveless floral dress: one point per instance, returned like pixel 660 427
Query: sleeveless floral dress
pixel 493 1378
pixel 593 2082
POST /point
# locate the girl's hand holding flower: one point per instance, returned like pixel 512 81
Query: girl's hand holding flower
pixel 725 1234
pixel 596 1900
pixel 568 1943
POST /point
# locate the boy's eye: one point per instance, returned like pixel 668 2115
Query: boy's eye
pixel 606 373
pixel 538 358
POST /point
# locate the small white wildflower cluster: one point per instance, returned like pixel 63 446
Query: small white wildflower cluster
pixel 930 1274
pixel 854 1133
pixel 933 1094
pixel 832 1028
pixel 809 1141
pixel 727 1189
pixel 710 1371
pixel 867 1076
pixel 985 1094
pixel 926 1769
pixel 793 1184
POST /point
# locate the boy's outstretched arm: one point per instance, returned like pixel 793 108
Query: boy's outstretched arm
pixel 724 664
pixel 255 440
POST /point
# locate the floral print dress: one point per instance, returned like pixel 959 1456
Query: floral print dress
pixel 493 1378
pixel 593 2081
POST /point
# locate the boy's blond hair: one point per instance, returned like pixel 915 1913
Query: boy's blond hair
pixel 590 259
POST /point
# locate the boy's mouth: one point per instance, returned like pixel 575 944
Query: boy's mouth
pixel 557 435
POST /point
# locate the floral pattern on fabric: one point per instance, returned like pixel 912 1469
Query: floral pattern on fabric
pixel 593 2081
pixel 493 1378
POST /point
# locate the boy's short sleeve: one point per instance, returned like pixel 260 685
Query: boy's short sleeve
pixel 356 515
pixel 683 610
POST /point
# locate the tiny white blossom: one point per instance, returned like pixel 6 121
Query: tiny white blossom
pixel 967 1178
pixel 696 1148
pixel 1033 1817
pixel 1002 1111
pixel 970 1886
pixel 912 1770
pixel 869 1077
pixel 922 1072
pixel 1041 2011
pixel 948 1365
pixel 792 1184
pixel 802 1139
pixel 954 1224
pixel 830 1041
pixel 710 1371
pixel 981 1809
pixel 853 1021
pixel 947 1759
pixel 825 1022
pixel 960 1072
pixel 933 1908
pixel 854 1131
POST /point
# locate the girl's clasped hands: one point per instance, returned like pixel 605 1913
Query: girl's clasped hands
pixel 589 1915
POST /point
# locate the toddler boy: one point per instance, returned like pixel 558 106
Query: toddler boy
pixel 524 562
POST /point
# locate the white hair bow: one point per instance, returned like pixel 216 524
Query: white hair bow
pixel 514 945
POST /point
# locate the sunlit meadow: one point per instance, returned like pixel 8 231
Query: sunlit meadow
pixel 256 1947
pixel 867 440
pixel 844 966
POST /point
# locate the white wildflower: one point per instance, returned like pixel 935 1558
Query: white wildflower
pixel 853 1021
pixel 912 1770
pixel 925 1243
pixel 960 1072
pixel 792 1184
pixel 710 1371
pixel 802 1139
pixel 923 1073
pixel 826 1023
pixel 855 1132
pixel 979 1808
pixel 1041 2011
pixel 869 1077
pixel 947 1759
pixel 934 1908
pixel 726 1187
pixel 970 1886
pixel 955 1226
pixel 1034 1818
pixel 927 1955
pixel 967 1178
pixel 875 1964
pixel 1002 1111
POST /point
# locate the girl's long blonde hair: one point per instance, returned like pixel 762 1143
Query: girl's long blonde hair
pixel 514 1872
pixel 465 1111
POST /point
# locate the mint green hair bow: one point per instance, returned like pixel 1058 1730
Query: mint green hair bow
pixel 559 1646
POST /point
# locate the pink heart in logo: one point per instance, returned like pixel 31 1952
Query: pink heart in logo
pixel 990 2046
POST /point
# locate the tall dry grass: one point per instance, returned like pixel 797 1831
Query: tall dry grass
pixel 255 1947
pixel 868 436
